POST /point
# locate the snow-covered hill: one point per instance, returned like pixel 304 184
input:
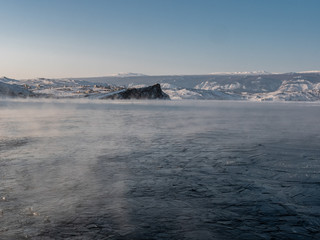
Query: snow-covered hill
pixel 13 88
pixel 256 86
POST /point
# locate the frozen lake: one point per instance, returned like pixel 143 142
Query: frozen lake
pixel 159 170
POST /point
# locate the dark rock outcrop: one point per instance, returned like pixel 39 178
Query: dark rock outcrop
pixel 151 92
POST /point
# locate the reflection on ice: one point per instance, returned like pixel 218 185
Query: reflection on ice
pixel 159 170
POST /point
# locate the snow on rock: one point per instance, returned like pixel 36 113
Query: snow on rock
pixel 168 86
pixel 207 85
pixel 262 72
pixel 8 80
pixel 182 94
pixel 312 71
pixel 215 86
pixel 13 90
pixel 316 86
pixel 296 86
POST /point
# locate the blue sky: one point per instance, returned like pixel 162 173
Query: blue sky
pixel 78 38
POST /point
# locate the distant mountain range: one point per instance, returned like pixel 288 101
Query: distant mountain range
pixel 252 86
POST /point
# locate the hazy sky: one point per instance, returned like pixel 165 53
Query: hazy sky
pixel 77 38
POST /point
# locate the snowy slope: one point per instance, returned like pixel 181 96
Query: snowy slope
pixel 9 87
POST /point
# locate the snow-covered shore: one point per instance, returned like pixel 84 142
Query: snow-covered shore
pixel 303 86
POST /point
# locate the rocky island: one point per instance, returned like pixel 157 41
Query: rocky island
pixel 151 92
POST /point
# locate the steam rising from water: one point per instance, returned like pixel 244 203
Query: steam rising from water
pixel 159 170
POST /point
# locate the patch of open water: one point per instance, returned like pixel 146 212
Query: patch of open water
pixel 159 170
